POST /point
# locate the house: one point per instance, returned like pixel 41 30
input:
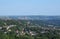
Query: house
pixel 0 28
pixel 32 33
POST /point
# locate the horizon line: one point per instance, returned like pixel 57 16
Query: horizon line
pixel 29 15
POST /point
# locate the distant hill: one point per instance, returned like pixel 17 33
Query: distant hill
pixel 30 17
pixel 40 20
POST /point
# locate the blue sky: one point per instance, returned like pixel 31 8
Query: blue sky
pixel 29 7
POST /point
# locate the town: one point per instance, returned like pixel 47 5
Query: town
pixel 25 28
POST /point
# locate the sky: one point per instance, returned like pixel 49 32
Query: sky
pixel 29 7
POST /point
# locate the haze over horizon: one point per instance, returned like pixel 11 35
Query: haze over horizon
pixel 29 7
